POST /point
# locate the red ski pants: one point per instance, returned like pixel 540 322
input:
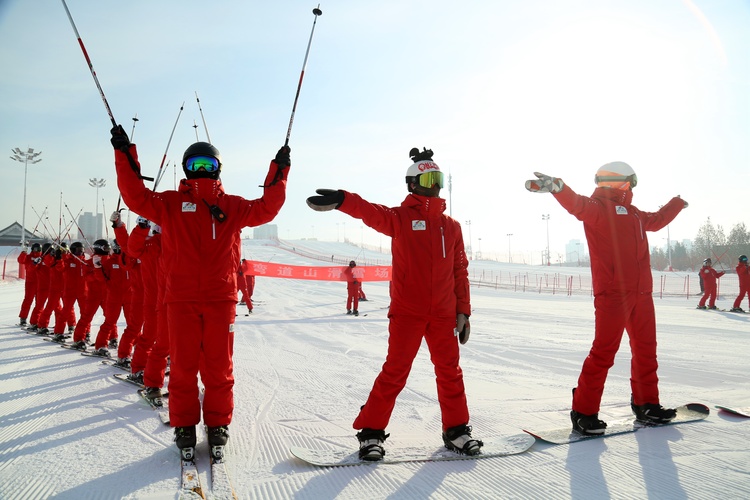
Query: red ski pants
pixel 352 297
pixel 28 298
pixel 201 339
pixel 743 291
pixel 616 311
pixel 156 362
pixel 404 340
pixel 709 294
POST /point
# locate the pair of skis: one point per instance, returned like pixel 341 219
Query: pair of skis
pixel 190 483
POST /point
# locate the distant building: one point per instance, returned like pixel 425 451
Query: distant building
pixel 91 225
pixel 11 236
pixel 575 252
pixel 266 232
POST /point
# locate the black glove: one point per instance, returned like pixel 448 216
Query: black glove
pixel 119 138
pixel 282 157
pixel 328 200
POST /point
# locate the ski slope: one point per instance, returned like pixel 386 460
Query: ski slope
pixel 70 430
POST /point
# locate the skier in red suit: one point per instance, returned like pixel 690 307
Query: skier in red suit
pixel 145 247
pixel 743 274
pixel 96 293
pixel 622 281
pixel 54 262
pixel 201 248
pixel 29 261
pixel 429 299
pixel 247 286
pixel 42 285
pixel 710 280
pixel 352 289
pixel 74 290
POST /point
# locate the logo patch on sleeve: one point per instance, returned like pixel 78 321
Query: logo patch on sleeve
pixel 620 210
pixel 188 206
pixel 418 225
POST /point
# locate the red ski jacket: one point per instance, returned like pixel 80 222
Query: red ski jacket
pixel 430 268
pixel 710 275
pixel 616 235
pixel 201 254
pixel 743 273
pixel 27 261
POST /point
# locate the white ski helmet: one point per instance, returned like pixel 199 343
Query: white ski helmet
pixel 616 175
pixel 416 173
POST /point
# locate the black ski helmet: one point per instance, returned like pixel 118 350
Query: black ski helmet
pixel 201 149
pixel 352 263
pixel 101 247
pixel 707 261
pixel 76 248
pixel 743 258
pixel 36 247
pixel 46 248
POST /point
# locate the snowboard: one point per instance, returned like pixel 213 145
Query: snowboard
pixel 687 413
pixel 741 411
pixel 493 447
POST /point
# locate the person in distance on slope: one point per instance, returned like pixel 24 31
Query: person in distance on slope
pixel 710 277
pixel 352 289
pixel 429 299
pixel 743 274
pixel 200 254
pixel 622 282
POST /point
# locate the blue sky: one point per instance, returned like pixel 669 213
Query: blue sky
pixel 497 89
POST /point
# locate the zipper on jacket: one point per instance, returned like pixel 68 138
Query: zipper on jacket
pixel 213 226
pixel 442 238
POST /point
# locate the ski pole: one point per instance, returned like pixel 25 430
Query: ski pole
pixel 132 131
pixel 202 118
pixel 160 172
pixel 79 227
pixel 131 160
pixel 317 13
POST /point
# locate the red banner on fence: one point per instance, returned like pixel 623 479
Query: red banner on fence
pixel 334 273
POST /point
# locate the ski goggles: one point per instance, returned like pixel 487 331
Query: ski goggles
pixel 613 179
pixel 429 179
pixel 207 163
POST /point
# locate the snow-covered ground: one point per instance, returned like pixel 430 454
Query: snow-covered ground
pixel 69 430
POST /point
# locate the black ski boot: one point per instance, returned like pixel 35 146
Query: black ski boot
pixel 59 337
pixel 217 440
pixel 21 321
pixel 652 413
pixel 113 343
pixel 587 424
pixel 153 394
pixel 80 345
pixel 371 444
pixel 136 377
pixel 459 439
pixel 184 438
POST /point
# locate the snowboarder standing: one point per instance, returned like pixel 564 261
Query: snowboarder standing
pixel 352 289
pixel 429 299
pixel 710 278
pixel 200 254
pixel 623 284
pixel 743 274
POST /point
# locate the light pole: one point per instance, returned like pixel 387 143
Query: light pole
pixel 468 224
pixel 479 248
pixel 510 259
pixel 25 158
pixel 545 217
pixel 97 183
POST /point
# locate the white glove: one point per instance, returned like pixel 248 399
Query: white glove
pixel 115 219
pixel 545 184
pixel 463 328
